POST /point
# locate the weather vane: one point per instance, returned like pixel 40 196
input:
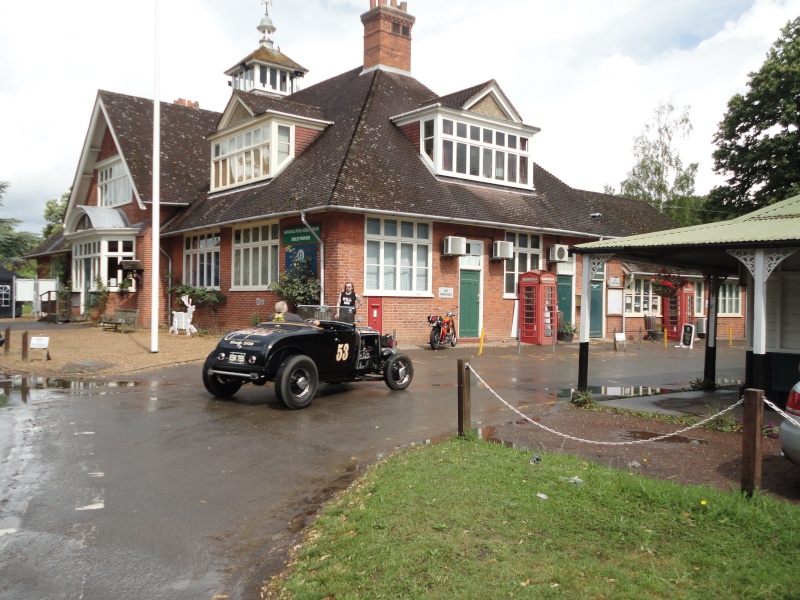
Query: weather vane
pixel 266 3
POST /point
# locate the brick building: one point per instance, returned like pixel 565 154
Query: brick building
pixel 425 201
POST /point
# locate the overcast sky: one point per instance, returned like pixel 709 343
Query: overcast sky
pixel 588 73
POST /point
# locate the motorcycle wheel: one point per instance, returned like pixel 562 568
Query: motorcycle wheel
pixel 436 338
pixel 453 338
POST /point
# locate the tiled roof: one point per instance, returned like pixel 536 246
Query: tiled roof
pixel 457 99
pixel 185 153
pixel 361 161
pixel 262 103
pixel 272 56
pixel 55 244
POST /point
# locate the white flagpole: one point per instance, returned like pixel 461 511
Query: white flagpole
pixel 156 227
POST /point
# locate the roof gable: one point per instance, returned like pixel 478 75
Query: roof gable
pixel 485 98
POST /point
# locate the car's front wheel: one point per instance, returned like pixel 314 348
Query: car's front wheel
pixel 296 381
pixel 398 371
pixel 218 385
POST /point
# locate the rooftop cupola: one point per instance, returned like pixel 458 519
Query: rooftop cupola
pixel 267 70
pixel 266 27
pixel 387 36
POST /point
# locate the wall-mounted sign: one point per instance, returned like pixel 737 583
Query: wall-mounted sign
pixel 614 282
pixel 445 292
pixel 300 235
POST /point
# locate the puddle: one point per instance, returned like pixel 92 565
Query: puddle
pixel 673 439
pixel 18 390
pixel 618 391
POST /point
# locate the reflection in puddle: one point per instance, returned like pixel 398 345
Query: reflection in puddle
pixel 17 390
pixel 673 439
pixel 619 391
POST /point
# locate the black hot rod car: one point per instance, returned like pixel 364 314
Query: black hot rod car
pixel 298 355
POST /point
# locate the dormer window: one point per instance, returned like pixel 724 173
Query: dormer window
pixel 113 184
pixel 478 151
pixel 251 155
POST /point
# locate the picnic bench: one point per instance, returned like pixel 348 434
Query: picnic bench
pixel 122 317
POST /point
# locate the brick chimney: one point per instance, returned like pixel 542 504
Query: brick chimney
pixel 387 36
pixel 189 103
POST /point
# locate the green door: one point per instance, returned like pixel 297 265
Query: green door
pixel 596 314
pixel 469 304
pixel 565 297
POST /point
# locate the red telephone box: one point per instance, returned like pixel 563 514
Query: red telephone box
pixel 537 307
pixel 678 311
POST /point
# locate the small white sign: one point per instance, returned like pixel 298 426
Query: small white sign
pixel 445 292
pixel 40 342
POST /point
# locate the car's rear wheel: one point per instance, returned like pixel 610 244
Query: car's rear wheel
pixel 398 371
pixel 296 381
pixel 218 385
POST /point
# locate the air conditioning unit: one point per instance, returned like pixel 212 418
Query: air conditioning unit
pixel 502 250
pixel 559 253
pixel 455 246
pixel 701 324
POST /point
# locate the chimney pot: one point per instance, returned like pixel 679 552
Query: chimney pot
pixel 404 6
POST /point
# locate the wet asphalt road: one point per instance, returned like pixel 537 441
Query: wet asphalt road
pixel 150 488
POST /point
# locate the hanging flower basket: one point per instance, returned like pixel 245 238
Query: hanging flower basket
pixel 667 284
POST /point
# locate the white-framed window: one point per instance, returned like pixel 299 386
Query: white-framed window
pixel 255 256
pixel 113 185
pixel 250 155
pixel 101 258
pixel 699 298
pixel 527 257
pixel 398 257
pixel 201 260
pixel 115 252
pixel 640 299
pixel 477 151
pixel 730 299
pixel 5 295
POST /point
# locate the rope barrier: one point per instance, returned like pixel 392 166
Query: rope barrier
pixel 628 443
pixel 779 411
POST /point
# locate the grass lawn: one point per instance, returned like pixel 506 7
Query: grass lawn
pixel 473 519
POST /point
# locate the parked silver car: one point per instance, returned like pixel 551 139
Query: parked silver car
pixel 790 433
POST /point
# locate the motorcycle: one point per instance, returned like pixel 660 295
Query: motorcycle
pixel 443 329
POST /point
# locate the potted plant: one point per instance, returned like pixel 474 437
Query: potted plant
pixel 666 284
pixel 566 331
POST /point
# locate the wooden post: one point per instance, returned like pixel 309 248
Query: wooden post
pixel 25 346
pixel 464 408
pixel 7 343
pixel 751 440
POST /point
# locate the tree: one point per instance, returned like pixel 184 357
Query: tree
pixel 13 244
pixel 298 285
pixel 758 141
pixel 54 210
pixel 659 176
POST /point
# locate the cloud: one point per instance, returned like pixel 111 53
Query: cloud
pixel 589 74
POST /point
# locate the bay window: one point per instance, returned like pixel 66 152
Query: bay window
pixel 639 297
pixel 250 155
